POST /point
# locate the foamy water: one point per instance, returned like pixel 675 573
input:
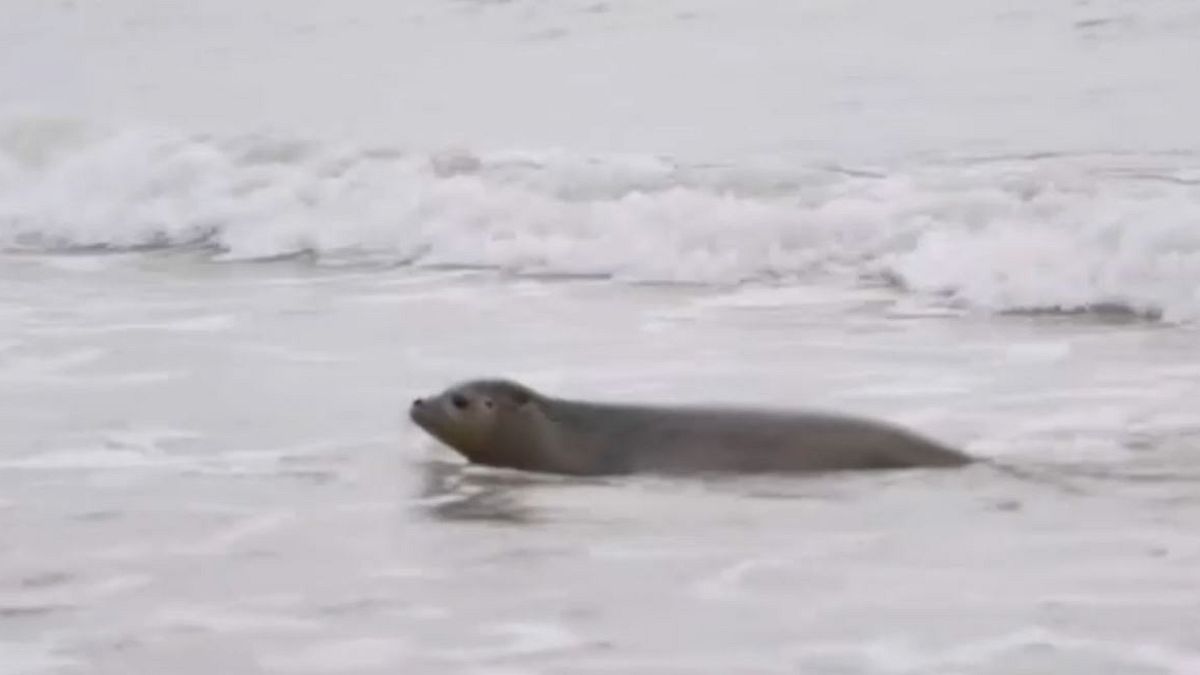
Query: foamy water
pixel 1053 233
pixel 236 239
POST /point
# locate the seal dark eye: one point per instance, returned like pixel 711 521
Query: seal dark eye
pixel 459 401
pixel 487 402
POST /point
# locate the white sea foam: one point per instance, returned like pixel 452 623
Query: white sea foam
pixel 91 459
pixel 26 658
pixel 1036 645
pixel 1065 233
pixel 198 324
pixel 47 368
pixel 220 619
pixel 339 656
pixel 521 638
pixel 248 528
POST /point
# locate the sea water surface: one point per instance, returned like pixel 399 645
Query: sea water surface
pixel 237 238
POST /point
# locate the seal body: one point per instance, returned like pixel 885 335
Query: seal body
pixel 505 424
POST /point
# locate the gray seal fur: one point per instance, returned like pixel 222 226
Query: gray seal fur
pixel 501 423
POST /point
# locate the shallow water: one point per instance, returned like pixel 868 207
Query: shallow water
pixel 208 467
pixel 237 238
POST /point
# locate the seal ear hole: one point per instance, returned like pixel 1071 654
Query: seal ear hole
pixel 487 403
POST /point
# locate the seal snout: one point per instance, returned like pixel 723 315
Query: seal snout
pixel 418 406
pixel 419 411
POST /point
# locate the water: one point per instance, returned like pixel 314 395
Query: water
pixel 238 238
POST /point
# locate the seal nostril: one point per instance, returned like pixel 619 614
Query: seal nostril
pixel 459 401
pixel 417 402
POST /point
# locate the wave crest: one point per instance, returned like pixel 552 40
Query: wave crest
pixel 1024 234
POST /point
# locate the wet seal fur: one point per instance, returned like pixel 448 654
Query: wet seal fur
pixel 501 423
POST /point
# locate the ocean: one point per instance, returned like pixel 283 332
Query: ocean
pixel 237 238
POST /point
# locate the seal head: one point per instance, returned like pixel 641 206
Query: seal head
pixel 495 422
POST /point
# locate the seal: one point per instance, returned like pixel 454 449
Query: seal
pixel 502 423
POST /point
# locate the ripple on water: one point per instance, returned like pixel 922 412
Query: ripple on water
pixel 24 658
pixel 1025 650
pixel 339 656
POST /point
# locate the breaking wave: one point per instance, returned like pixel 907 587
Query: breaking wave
pixel 1051 233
